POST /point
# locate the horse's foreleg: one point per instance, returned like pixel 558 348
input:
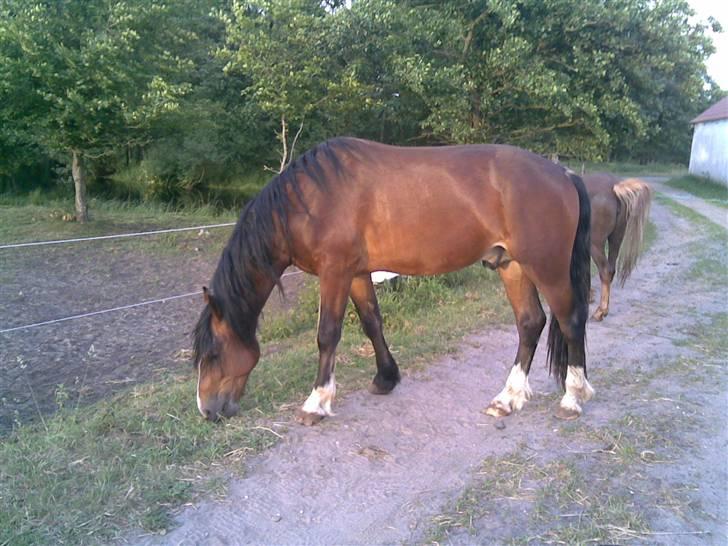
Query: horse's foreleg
pixel 365 300
pixel 530 320
pixel 334 290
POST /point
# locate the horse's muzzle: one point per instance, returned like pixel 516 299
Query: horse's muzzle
pixel 218 408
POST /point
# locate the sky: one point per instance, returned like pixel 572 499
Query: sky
pixel 718 62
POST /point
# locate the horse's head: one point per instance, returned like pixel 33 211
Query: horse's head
pixel 223 361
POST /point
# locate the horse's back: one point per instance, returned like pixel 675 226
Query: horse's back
pixel 597 183
pixel 427 210
pixel 604 204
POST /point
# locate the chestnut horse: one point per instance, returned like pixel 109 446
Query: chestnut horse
pixel 619 213
pixel 349 207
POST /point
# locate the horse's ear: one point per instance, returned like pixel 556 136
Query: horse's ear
pixel 211 301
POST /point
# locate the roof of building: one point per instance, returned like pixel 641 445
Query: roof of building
pixel 718 111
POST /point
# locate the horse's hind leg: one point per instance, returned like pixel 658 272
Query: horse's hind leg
pixel 606 275
pixel 614 242
pixel 607 266
pixel 567 350
pixel 530 320
pixel 365 300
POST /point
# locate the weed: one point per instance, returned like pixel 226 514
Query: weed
pixel 61 396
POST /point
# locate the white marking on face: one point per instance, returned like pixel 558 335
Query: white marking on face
pixel 199 401
pixel 517 391
pixel 319 401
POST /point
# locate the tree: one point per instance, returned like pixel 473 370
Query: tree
pixel 588 79
pixel 88 77
pixel 400 58
pixel 279 46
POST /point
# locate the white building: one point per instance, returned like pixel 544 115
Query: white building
pixel 709 153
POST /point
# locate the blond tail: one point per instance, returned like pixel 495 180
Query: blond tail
pixel 635 197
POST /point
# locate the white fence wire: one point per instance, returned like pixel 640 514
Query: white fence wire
pixel 122 307
pixel 377 276
pixel 117 236
pixel 114 309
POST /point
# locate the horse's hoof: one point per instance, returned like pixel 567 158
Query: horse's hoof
pixel 598 316
pixel 308 419
pixel 566 414
pixel 497 409
pixel 380 389
pixel 383 386
pixel 376 389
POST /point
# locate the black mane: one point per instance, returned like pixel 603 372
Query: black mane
pixel 251 245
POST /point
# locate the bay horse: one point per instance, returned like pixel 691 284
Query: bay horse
pixel 348 207
pixel 619 213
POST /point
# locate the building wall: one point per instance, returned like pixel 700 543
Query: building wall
pixel 709 153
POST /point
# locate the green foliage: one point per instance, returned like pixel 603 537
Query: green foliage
pixel 589 80
pixel 96 71
pixel 192 95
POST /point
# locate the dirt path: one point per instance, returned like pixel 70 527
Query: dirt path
pixel 715 213
pixel 406 468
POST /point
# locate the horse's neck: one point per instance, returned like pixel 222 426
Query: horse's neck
pixel 266 281
pixel 265 284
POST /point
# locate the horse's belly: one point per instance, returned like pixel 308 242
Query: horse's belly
pixel 430 249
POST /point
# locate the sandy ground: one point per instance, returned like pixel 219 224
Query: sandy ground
pixel 388 470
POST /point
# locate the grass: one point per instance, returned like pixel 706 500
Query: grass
pixel 26 220
pixel 556 501
pixel 708 336
pixel 650 236
pixel 85 474
pixel 597 491
pixel 701 187
pixel 628 169
pixel 710 228
pixel 710 255
pixel 91 474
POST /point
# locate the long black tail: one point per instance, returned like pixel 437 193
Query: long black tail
pixel 558 353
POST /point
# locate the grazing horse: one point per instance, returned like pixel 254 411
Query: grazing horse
pixel 349 207
pixel 619 213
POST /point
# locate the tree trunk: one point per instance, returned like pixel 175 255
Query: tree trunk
pixel 79 181
pixel 476 115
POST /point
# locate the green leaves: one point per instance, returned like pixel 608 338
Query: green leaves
pixel 99 69
pixel 208 83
